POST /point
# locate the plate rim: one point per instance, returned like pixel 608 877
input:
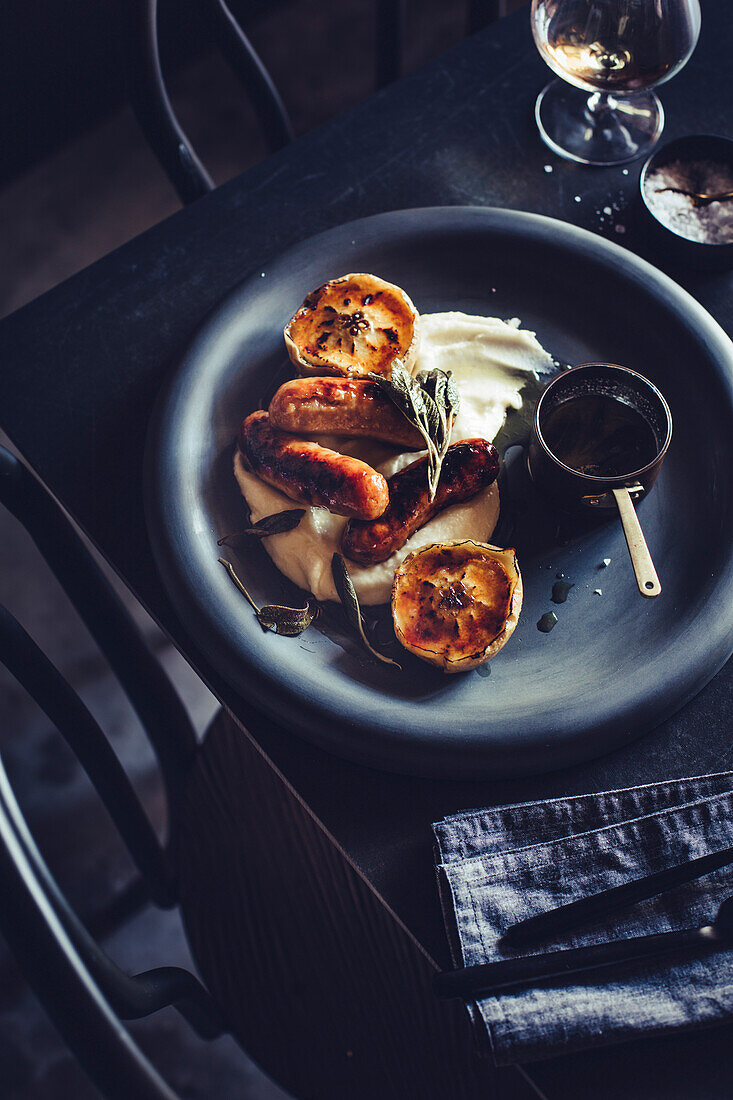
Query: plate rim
pixel 365 743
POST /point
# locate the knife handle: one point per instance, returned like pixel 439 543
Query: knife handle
pixel 487 978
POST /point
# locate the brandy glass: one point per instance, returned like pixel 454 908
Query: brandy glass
pixel 609 54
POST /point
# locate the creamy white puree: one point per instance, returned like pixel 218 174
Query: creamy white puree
pixel 490 360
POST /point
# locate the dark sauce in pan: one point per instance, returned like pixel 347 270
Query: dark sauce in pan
pixel 600 436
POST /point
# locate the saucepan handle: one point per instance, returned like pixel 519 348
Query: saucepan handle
pixel 641 559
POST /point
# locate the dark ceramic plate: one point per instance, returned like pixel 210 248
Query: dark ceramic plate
pixel 615 664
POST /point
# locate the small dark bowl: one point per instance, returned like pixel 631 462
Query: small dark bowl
pixel 570 488
pixel 697 254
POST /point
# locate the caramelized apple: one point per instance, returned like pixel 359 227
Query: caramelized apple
pixel 455 604
pixel 353 326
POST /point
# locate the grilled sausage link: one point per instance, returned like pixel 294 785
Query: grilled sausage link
pixel 340 406
pixel 311 474
pixel 468 466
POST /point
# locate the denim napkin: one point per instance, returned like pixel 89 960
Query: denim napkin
pixel 498 866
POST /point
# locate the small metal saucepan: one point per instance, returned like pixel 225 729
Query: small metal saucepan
pixel 599 438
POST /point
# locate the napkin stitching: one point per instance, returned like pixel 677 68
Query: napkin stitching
pixel 477 922
pixel 713 805
pixel 574 798
pixel 694 790
pixel 587 829
pixel 450 907
pixel 516 1029
pixel 557 857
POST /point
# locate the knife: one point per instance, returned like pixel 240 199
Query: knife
pixel 470 982
pixel 575 913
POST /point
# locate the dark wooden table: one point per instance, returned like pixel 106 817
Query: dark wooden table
pixel 82 366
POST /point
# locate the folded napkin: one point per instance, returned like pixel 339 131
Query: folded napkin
pixel 498 866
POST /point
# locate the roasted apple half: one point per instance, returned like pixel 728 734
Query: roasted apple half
pixel 455 604
pixel 353 326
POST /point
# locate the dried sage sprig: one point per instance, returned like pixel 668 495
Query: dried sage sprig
pixel 430 402
pixel 289 621
pixel 276 524
pixel 350 603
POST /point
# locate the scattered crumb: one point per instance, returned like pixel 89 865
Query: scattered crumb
pixel 262 274
pixel 609 214
pixel 577 198
pixel 625 172
pixel 605 563
pixel 597 591
pixel 548 167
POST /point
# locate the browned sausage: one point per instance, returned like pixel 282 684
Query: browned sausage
pixel 311 474
pixel 468 466
pixel 342 406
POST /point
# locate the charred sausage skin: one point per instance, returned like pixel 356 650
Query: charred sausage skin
pixel 468 466
pixel 309 473
pixel 342 406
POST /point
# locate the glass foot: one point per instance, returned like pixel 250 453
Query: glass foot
pixel 598 128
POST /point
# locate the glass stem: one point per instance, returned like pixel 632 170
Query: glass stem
pixel 599 108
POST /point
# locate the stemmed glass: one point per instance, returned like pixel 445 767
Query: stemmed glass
pixel 617 50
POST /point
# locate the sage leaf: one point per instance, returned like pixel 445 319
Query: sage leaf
pixel 397 388
pixel 452 395
pixel 517 426
pixel 289 621
pixel 276 524
pixel 429 401
pixel 433 383
pixel 431 414
pixel 401 378
pixel 350 603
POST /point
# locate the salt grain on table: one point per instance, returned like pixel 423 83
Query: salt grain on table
pixel 709 224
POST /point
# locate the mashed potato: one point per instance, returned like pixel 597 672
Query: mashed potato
pixel 490 360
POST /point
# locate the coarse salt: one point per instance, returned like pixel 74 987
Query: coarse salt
pixel 708 224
